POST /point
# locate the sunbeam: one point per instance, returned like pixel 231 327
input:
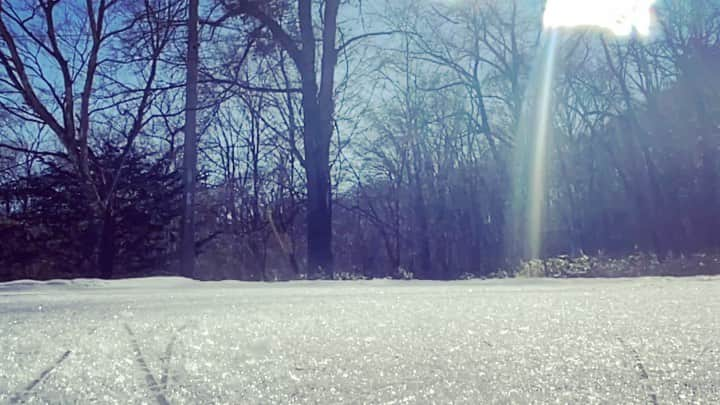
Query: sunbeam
pixel 537 186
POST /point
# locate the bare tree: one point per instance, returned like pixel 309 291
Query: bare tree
pixel 54 61
pixel 318 109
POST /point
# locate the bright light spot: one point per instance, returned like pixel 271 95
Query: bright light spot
pixel 620 17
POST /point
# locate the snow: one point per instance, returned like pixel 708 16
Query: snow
pixel 176 341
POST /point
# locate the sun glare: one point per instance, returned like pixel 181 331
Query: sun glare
pixel 621 17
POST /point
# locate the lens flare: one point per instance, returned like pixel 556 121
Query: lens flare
pixel 538 177
pixel 620 18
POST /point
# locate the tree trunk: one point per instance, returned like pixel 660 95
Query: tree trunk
pixel 187 246
pixel 319 210
pixel 318 109
pixel 424 269
pixel 106 251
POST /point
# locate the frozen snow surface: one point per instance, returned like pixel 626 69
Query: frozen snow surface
pixel 175 341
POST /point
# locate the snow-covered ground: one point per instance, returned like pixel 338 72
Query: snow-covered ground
pixel 169 340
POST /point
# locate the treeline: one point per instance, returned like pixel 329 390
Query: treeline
pixel 348 138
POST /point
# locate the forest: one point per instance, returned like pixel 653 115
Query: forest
pixel 280 139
